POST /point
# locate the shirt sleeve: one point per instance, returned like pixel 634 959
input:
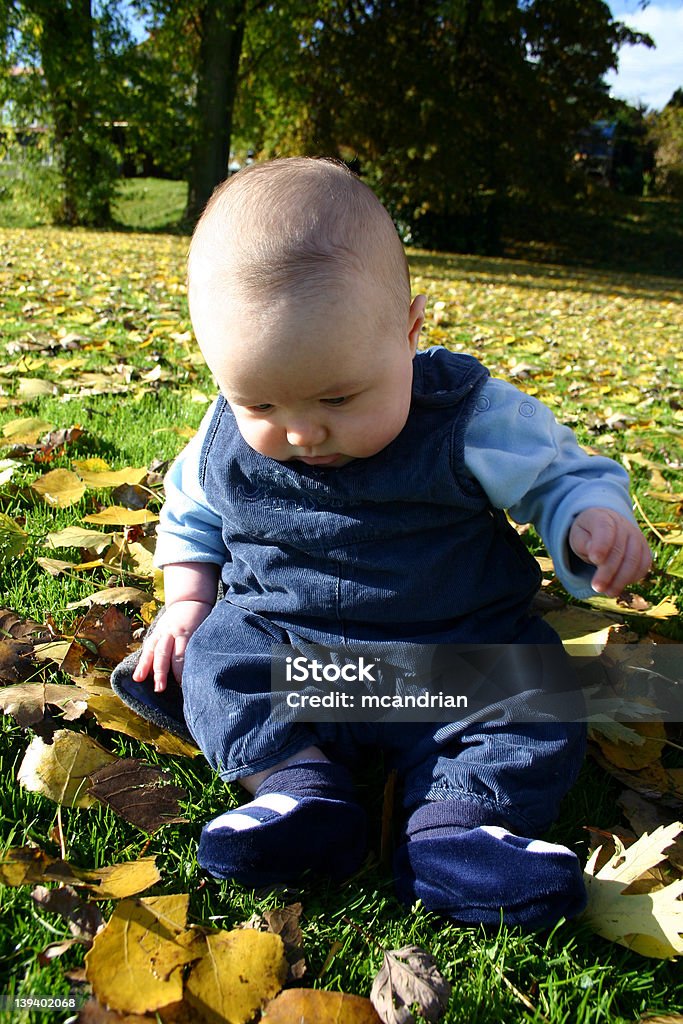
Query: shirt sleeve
pixel 531 465
pixel 189 528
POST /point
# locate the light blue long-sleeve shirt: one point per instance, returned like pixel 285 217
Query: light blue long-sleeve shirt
pixel 525 461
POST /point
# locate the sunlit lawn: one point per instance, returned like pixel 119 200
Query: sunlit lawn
pixel 101 320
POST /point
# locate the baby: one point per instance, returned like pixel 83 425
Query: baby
pixel 348 488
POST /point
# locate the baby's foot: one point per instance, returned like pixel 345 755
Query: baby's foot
pixel 471 874
pixel 302 817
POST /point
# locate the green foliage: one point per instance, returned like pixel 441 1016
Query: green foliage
pixel 29 193
pixel 469 102
pixel 62 75
pixel 448 107
pixel 667 135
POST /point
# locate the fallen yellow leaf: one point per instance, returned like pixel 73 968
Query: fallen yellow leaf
pixel 60 770
pixel 648 738
pixel 117 515
pixel 25 865
pixel 241 970
pixel 113 882
pixel 111 713
pixel 135 964
pixel 664 610
pixel 313 1006
pixel 77 537
pixel 584 633
pixel 112 478
pixel 113 595
pixel 24 431
pixel 651 923
pixel 60 487
pixel 13 539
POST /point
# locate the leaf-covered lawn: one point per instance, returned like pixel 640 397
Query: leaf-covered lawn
pixel 100 386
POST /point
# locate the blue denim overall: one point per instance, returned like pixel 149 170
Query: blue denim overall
pixel 402 546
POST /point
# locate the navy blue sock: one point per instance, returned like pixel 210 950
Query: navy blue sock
pixel 470 873
pixel 303 817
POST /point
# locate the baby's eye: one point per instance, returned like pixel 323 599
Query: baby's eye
pixel 264 407
pixel 336 401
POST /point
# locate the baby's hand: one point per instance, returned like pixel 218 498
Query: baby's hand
pixel 614 545
pixel 165 648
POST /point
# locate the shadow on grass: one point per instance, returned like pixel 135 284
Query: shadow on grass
pixel 604 232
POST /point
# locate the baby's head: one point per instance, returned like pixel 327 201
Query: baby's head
pixel 300 299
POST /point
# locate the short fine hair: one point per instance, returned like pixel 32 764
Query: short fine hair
pixel 297 223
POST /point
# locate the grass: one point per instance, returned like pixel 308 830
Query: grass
pixel 150 204
pixel 104 317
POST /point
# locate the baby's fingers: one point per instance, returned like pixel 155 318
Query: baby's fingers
pixel 163 654
pixel 628 561
pixel 145 662
pixel 178 657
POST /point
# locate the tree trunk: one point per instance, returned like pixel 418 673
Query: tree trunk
pixel 222 31
pixel 69 66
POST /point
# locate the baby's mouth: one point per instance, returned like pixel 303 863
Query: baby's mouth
pixel 319 460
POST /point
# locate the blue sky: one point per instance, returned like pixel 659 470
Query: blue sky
pixel 650 76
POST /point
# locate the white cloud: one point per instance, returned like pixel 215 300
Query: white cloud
pixel 650 76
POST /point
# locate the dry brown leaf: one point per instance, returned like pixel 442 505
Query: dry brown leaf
pixel 84 919
pixel 18 628
pixel 26 702
pixel 94 1013
pixel 407 976
pixel 53 950
pixel 313 1006
pixel 644 816
pixel 648 923
pixel 241 970
pixel 135 963
pixel 60 770
pixel 660 1018
pixel 15 663
pixel 139 793
pixel 110 631
pixel 285 922
pixel 67 654
pixel 654 782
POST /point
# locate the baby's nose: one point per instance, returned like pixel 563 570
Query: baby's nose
pixel 306 434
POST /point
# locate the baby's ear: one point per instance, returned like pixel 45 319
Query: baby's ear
pixel 416 318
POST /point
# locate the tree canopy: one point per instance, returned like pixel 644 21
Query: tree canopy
pixel 446 107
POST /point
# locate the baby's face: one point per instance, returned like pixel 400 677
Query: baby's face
pixel 320 386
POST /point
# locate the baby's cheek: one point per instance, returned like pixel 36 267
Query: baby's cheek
pixel 255 434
